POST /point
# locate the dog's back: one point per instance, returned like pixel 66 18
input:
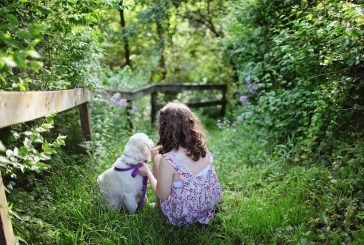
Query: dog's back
pixel 116 186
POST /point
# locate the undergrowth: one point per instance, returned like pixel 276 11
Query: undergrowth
pixel 268 198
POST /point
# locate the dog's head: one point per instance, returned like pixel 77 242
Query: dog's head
pixel 137 149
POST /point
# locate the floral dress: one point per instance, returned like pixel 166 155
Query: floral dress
pixel 191 199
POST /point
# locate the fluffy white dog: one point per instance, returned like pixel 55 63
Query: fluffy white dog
pixel 120 187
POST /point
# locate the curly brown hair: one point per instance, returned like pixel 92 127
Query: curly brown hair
pixel 180 127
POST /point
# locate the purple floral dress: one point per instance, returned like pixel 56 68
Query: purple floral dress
pixel 191 199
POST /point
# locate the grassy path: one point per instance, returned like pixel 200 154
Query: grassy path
pixel 264 202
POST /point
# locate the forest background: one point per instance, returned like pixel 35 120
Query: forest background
pixel 294 70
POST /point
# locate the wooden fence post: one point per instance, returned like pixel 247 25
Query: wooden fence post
pixel 6 229
pixel 223 106
pixel 153 104
pixel 128 116
pixel 85 120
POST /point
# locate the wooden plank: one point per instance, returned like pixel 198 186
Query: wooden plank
pixel 133 95
pixel 19 107
pixel 85 120
pixel 200 104
pixel 166 87
pixel 205 103
pixel 6 229
pixel 186 86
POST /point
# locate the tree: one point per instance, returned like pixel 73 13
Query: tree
pixel 125 35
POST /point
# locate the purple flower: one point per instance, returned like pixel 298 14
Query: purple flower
pixel 134 108
pixel 115 97
pixel 239 118
pixel 244 99
pixel 359 11
pixel 219 124
pixel 252 88
pixel 122 102
pixel 248 79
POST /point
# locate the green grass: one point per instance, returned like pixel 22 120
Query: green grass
pixel 266 200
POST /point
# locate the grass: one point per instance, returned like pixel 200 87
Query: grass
pixel 266 200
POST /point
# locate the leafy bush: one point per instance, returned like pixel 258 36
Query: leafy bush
pixel 32 154
pixel 306 59
pixel 46 46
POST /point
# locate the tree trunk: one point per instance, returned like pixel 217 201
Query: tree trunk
pixel 125 38
pixel 234 71
pixel 162 60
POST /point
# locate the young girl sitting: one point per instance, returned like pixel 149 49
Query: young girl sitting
pixel 187 186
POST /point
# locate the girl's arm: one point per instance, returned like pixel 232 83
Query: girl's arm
pixel 156 160
pixel 162 187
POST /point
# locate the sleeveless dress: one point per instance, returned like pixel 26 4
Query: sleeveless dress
pixel 191 199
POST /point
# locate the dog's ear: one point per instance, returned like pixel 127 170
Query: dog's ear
pixel 138 148
pixel 145 150
pixel 151 143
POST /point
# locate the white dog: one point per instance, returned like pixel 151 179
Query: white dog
pixel 117 184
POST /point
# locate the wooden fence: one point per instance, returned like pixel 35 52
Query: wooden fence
pixel 19 107
pixel 160 88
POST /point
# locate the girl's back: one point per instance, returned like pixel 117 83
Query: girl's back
pixel 194 167
pixel 195 189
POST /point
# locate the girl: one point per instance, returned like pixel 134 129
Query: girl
pixel 186 183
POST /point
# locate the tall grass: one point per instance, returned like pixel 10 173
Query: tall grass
pixel 269 197
pixel 263 202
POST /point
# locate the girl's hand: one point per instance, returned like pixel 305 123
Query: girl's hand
pixel 154 151
pixel 144 170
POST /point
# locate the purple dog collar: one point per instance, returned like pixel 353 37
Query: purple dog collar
pixel 135 171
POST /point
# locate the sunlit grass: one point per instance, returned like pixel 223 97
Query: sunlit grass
pixel 261 203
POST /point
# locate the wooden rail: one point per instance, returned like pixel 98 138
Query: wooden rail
pixel 19 107
pixel 6 229
pixel 155 88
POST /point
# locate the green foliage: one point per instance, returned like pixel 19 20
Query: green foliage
pixel 33 153
pixel 49 46
pixel 307 59
pixel 300 65
pixel 46 46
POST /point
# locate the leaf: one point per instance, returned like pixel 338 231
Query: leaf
pixel 5 160
pixel 36 159
pixel 36 65
pixel 34 54
pixel 9 153
pixel 45 145
pixel 22 87
pixel 9 61
pixel 12 19
pixel 2 147
pixel 14 43
pixel 42 165
pixel 24 35
pixel 23 151
pixel 16 151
